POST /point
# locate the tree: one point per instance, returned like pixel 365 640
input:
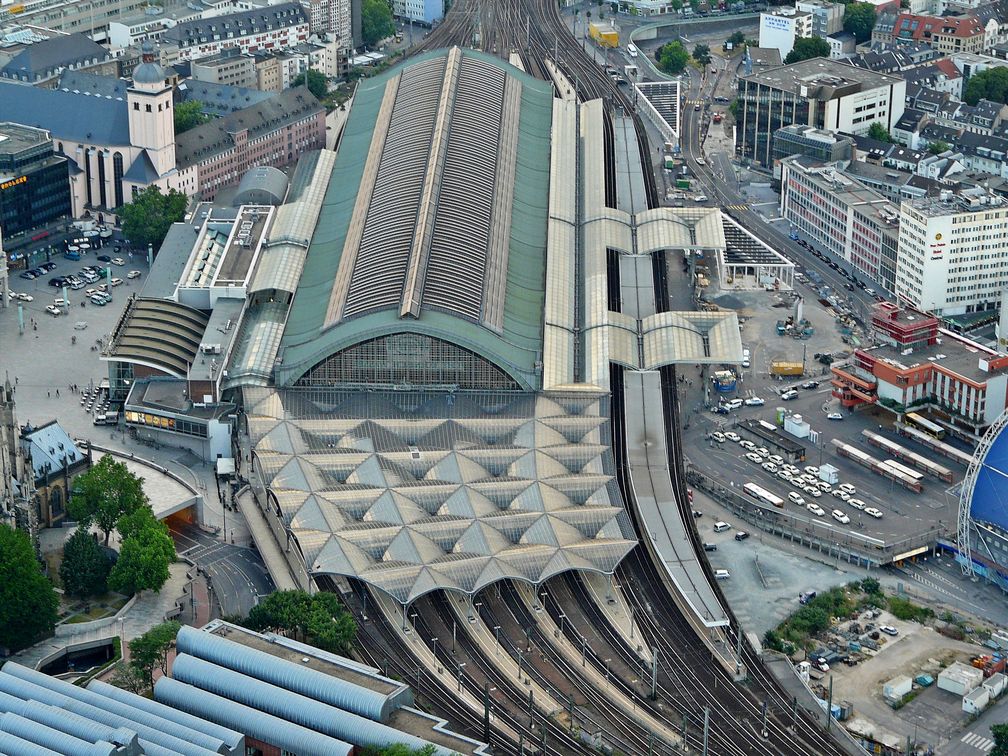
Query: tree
pixel 85 567
pixel 146 552
pixel 937 147
pixel 1000 734
pixel 149 651
pixel 376 21
pixel 990 84
pixel 148 217
pixel 736 38
pixel 701 54
pixel 673 57
pixel 105 493
pixel 320 618
pixel 808 47
pixel 859 20
pixel 315 81
pixel 28 600
pixel 189 114
pixel 878 131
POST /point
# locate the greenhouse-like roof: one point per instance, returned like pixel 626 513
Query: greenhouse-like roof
pixel 412 492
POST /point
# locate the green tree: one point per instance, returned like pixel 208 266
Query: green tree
pixel 147 550
pixel 859 20
pixel 148 217
pixel 806 48
pixel 149 652
pixel 871 585
pixel 188 115
pixel 701 54
pixel 1000 735
pixel 990 84
pixel 105 493
pixel 315 81
pixel 320 618
pixel 673 57
pixel 28 600
pixel 736 38
pixel 376 21
pixel 85 566
pixel 878 131
pixel 937 147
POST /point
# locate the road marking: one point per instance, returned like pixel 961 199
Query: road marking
pixel 976 740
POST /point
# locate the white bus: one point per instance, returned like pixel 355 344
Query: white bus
pixel 762 495
pixel 910 473
pixel 632 50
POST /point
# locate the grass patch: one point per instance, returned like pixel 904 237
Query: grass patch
pixel 905 609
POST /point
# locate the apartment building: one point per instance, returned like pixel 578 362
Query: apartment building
pixel 946 34
pixel 337 18
pixel 953 252
pixel 841 215
pixel 827 17
pixel 274 27
pixel 421 11
pixel 917 366
pixel 229 66
pixel 824 94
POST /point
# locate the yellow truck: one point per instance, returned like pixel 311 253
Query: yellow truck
pixel 605 34
pixel 780 367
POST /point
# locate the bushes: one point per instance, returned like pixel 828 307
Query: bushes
pixel 904 609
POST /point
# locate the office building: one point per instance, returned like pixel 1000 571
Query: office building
pixel 273 27
pixel 953 252
pixel 335 18
pixel 419 11
pixel 827 17
pixel 89 17
pixel 821 93
pixel 824 146
pixel 34 182
pixel 841 215
pixel 779 28
pixel 916 366
pixel 230 66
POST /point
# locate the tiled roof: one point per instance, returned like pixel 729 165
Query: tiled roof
pixel 92 84
pixel 246 23
pixel 219 99
pixel 51 447
pixel 142 171
pixel 48 56
pixel 69 116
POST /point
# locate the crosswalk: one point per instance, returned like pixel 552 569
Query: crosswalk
pixel 695 102
pixel 978 741
pixel 736 207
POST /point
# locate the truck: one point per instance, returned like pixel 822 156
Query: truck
pixel 782 367
pixel 717 118
pixel 106 418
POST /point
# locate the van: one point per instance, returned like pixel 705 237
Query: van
pixel 106 418
pixel 734 404
pixel 721 527
pixel 721 574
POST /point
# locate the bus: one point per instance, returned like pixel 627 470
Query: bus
pixel 632 50
pixel 763 496
pixel 903 469
pixel 922 423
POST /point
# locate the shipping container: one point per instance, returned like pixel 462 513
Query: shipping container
pixel 897 688
pixel 782 367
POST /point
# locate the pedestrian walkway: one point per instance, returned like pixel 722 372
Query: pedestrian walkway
pixel 272 555
pixel 979 742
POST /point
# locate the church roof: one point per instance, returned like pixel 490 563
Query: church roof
pixel 142 171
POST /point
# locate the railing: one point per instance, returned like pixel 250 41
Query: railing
pixel 822 537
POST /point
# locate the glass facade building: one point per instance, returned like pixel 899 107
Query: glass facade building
pixel 34 182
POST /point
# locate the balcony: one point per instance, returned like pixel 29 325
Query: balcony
pixel 853 379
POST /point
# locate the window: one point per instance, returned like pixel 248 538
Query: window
pixel 148 107
pixel 136 106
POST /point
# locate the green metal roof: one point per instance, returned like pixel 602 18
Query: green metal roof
pixel 509 332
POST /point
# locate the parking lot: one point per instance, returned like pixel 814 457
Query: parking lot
pixel 904 513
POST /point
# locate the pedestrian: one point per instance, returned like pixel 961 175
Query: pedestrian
pixel 47 395
pixel 57 393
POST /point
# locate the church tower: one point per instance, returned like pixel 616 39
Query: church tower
pixel 151 114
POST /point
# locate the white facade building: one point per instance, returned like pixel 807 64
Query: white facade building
pixel 421 11
pixel 780 28
pixel 953 252
pixel 332 17
pixel 275 27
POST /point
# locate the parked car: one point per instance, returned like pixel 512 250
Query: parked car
pixel 810 385
pixel 53 310
pixel 754 401
pixel 796 498
pixel 732 436
pixel 754 458
pixel 741 535
pixel 720 526
pixel 710 547
pixel 116 281
pixel 48 267
pixel 840 516
pixel 770 467
pixel 28 275
pixel 872 512
pixel 24 297
pixel 117 261
pixel 888 629
pixel 834 416
pixel 99 300
pixel 721 574
pixel 133 274
pixel 847 488
pixel 104 258
pixel 60 302
pixel 815 509
pixel 719 437
pixel 57 282
pixel 856 503
pixel 747 444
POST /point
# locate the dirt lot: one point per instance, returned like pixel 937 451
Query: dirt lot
pixel 934 714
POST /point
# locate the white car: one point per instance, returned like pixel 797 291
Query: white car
pixel 834 416
pixel 842 495
pixel 133 274
pixel 732 436
pixel 796 482
pixel 763 452
pixel 791 469
pixel 795 497
pixel 776 459
pixel 24 297
pixel 815 509
pixel 700 197
pixel 824 486
pixel 754 458
pixel 118 261
pixel 770 467
pixel 116 281
pixel 754 401
pixel 60 302
pixel 872 512
pixel 812 470
pixel 812 491
pixel 856 503
pixel 840 516
pixel 747 444
pixel 717 436
pixel 847 488
pixel 783 475
pixel 701 161
pixel 53 310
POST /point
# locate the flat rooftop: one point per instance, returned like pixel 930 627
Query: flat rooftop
pixel 780 439
pixel 848 190
pixel 226 249
pixel 952 354
pixel 170 395
pixel 15 138
pixel 951 203
pixel 824 79
pixel 218 337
